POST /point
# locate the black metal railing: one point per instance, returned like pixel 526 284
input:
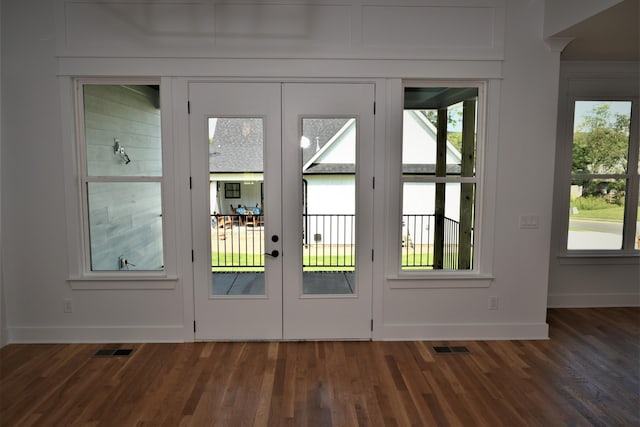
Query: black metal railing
pixel 237 241
pixel 329 242
pixel 419 242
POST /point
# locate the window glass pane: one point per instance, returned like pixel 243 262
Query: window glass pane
pixel 637 239
pixel 439 147
pixel 437 226
pixel 125 226
pixel 237 205
pixel 596 214
pixel 601 137
pixel 122 130
pixel 439 131
pixel 328 150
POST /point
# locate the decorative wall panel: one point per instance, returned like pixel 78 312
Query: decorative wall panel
pixel 293 29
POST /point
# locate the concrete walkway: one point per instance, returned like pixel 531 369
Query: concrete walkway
pixel 314 283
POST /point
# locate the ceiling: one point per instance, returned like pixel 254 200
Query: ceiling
pixel 612 35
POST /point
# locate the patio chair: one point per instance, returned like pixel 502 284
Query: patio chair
pixel 237 216
pixel 257 217
pixel 221 223
pixel 247 216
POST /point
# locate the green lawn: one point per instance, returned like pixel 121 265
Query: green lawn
pixel 615 213
pixel 247 262
pixel 424 261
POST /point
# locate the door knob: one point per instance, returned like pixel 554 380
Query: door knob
pixel 275 238
pixel 274 253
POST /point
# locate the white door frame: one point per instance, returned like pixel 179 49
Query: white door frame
pixel 379 88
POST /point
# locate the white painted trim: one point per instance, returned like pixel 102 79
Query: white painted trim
pixel 76 204
pixel 464 331
pixel 599 258
pixel 485 179
pixel 593 300
pixel 557 44
pixel 439 280
pixel 181 158
pixel 124 282
pixel 280 68
pixel 385 92
pixel 93 334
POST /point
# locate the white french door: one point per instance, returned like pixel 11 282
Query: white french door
pixel 282 209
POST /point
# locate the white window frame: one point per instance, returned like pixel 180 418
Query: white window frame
pixel 81 276
pixel 632 176
pixel 480 275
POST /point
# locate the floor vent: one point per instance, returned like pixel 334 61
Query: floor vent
pixel 449 350
pixel 113 352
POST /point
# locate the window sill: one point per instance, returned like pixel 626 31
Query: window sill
pixel 444 280
pixel 599 258
pixel 126 281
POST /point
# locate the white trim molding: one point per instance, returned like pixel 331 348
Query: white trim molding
pixel 463 331
pixel 593 300
pixel 96 334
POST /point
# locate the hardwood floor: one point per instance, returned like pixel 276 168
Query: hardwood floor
pixel 587 374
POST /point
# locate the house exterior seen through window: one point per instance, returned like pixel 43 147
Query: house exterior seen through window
pixel 603 211
pixel 439 177
pixel 121 176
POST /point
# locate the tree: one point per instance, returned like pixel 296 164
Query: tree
pixel 601 146
pixel 601 142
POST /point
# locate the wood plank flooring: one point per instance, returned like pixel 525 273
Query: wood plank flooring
pixel 587 374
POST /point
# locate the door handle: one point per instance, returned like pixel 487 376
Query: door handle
pixel 274 253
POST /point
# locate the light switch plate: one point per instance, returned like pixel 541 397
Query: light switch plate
pixel 529 221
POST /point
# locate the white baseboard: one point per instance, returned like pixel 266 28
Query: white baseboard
pixel 463 332
pixel 593 300
pixel 67 335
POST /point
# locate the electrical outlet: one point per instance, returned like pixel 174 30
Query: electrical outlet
pixel 67 305
pixel 493 303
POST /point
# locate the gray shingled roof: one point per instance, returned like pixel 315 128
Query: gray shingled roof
pixel 428 169
pixel 331 168
pixel 238 143
pixel 237 146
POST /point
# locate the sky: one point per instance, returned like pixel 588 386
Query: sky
pixel 584 107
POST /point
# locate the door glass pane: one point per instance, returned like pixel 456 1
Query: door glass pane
pixel 328 150
pixel 125 226
pixel 596 214
pixel 237 206
pixel 122 130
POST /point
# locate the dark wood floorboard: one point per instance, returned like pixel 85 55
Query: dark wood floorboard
pixel 587 374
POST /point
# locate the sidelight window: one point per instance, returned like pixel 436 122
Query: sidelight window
pixel 121 174
pixel 439 177
pixel 603 211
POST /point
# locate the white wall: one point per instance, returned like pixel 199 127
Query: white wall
pixel 34 217
pixel 3 318
pixel 588 281
pixel 459 42
pixel 522 177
